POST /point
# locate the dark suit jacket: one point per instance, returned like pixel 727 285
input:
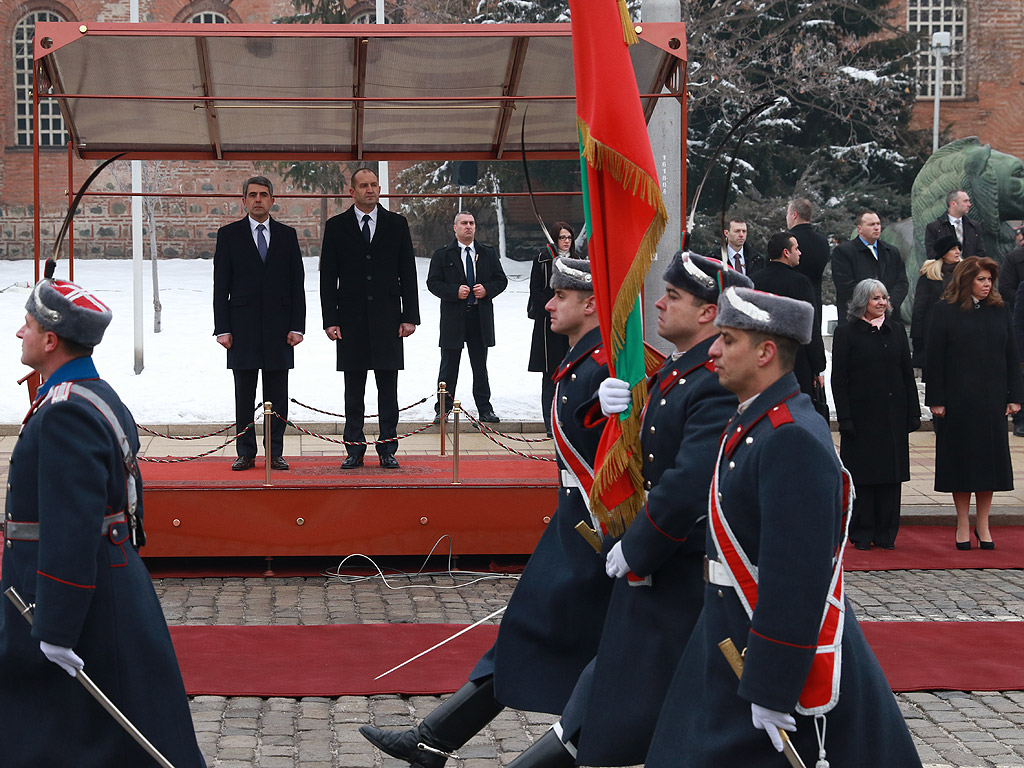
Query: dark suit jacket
pixel 447 273
pixel 257 303
pixel 853 261
pixel 973 244
pixel 752 260
pixel 1011 274
pixel 814 253
pixel 783 280
pixel 368 291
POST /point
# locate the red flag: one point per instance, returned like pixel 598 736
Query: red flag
pixel 626 218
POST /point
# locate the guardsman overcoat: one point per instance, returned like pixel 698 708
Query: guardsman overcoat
pixel 554 619
pixel 92 594
pixel 648 623
pixel 781 492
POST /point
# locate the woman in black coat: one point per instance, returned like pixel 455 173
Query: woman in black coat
pixel 548 348
pixel 877 407
pixel 935 276
pixel 974 382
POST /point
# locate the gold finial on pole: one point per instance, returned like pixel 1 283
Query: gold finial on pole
pixel 268 414
pixel 456 410
pixel 442 398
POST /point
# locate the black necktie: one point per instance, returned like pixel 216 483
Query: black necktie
pixel 470 275
pixel 366 228
pixel 261 242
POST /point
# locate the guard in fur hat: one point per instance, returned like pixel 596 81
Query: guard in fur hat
pixel 777 517
pixel 70 547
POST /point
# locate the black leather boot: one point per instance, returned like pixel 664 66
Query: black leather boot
pixel 547 752
pixel 455 721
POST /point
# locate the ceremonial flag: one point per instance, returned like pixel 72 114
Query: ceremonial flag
pixel 625 216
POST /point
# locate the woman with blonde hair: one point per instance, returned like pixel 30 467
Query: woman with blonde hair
pixel 935 276
pixel 974 383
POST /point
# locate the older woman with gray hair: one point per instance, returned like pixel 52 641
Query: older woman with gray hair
pixel 877 407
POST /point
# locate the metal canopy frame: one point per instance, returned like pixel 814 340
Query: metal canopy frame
pixel 248 92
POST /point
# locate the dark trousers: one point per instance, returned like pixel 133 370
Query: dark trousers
pixel 450 359
pixel 387 406
pixel 876 514
pixel 547 394
pixel 275 389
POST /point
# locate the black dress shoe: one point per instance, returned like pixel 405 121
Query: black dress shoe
pixel 279 463
pixel 389 462
pixel 1018 431
pixel 983 544
pixel 963 545
pixel 353 461
pixel 489 416
pixel 861 546
pixel 243 462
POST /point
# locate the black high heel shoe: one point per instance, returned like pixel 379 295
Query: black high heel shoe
pixel 963 545
pixel 982 544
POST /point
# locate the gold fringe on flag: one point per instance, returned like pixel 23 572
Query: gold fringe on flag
pixel 628 32
pixel 624 455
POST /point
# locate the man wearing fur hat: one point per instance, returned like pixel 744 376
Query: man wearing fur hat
pixel 553 622
pixel 71 549
pixel 658 563
pixel 777 514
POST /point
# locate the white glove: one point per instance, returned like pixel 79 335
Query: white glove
pixel 771 721
pixel 615 564
pixel 65 658
pixel 614 395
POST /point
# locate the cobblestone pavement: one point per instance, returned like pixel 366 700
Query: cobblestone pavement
pixel 952 729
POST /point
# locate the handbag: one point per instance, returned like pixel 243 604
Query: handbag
pixel 819 399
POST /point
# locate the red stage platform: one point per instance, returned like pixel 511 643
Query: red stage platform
pixel 203 509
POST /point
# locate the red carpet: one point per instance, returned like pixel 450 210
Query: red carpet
pixel 333 660
pixel 949 655
pixel 325 471
pixel 930 547
pixel 343 659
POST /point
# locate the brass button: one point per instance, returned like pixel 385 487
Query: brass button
pixel 565 399
pixel 647 485
pixel 720 593
pixel 682 381
pixel 113 532
pixel 662 401
pixel 732 465
pixel 652 429
pixel 573 377
pixel 750 441
pixel 567 491
pixel 650 457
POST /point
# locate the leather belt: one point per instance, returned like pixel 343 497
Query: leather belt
pixel 716 573
pixel 20 531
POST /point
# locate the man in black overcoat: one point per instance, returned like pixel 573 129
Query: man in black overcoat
pixel 736 252
pixel 782 278
pixel 466 275
pixel 259 313
pixel 814 250
pixel 370 303
pixel 955 222
pixel 866 256
pixel 73 525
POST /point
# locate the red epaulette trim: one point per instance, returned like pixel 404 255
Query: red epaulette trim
pixel 600 356
pixel 780 415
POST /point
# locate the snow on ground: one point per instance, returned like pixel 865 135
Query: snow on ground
pixel 185 379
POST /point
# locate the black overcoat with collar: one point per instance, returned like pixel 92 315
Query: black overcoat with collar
pixel 781 492
pixel 447 273
pixel 853 261
pixel 554 619
pixel 974 241
pixel 368 291
pixel 258 303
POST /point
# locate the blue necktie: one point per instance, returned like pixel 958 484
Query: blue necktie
pixel 470 276
pixel 366 228
pixel 261 242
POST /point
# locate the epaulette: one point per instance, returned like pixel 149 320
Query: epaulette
pixel 780 415
pixel 600 356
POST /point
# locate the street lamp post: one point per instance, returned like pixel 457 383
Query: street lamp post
pixel 940 48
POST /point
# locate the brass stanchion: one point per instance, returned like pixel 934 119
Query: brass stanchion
pixel 268 414
pixel 456 410
pixel 442 397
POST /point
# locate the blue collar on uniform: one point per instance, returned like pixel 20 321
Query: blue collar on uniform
pixel 73 370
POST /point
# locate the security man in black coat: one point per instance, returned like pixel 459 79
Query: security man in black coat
pixel 781 277
pixel 867 256
pixel 955 222
pixel 370 302
pixel 259 313
pixel 554 619
pixel 466 275
pixel 658 563
pixel 814 250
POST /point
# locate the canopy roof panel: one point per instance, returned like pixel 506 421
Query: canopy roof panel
pixel 342 92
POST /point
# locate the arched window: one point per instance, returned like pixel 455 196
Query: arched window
pixel 209 17
pixel 51 124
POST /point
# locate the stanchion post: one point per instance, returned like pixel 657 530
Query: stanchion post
pixel 442 397
pixel 456 410
pixel 268 414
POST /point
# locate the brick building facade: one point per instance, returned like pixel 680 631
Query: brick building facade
pixel 983 83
